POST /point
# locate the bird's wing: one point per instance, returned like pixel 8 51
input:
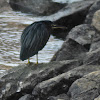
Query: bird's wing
pixel 25 33
pixel 34 38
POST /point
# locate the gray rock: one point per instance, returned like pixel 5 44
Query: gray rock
pixel 85 35
pixel 69 50
pixel 26 97
pixel 61 83
pixel 92 10
pixel 81 43
pixel 92 57
pixel 23 78
pixel 38 7
pixel 82 34
pixel 86 88
pixel 96 20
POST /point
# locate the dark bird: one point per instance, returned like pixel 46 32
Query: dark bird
pixel 34 38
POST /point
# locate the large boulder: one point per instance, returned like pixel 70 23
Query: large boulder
pixel 37 7
pixel 83 34
pixel 86 88
pixel 69 50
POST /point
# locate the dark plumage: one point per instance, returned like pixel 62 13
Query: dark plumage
pixel 34 38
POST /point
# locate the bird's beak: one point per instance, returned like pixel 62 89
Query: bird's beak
pixel 57 27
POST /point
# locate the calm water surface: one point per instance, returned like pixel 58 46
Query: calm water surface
pixel 11 27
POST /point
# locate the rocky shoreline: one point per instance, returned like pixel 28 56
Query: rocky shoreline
pixel 74 71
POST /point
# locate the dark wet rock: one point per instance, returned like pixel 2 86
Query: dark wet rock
pixel 22 79
pixel 59 97
pixel 38 7
pixel 92 10
pixel 69 50
pixel 61 83
pixel 26 97
pixel 86 88
pixel 96 20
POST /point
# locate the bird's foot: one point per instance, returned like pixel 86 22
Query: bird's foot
pixel 36 63
pixel 28 62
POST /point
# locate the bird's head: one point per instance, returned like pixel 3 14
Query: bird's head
pixel 52 25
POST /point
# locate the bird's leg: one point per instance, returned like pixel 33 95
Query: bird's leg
pixel 28 61
pixel 37 58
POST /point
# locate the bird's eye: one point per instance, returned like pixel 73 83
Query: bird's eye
pixel 53 25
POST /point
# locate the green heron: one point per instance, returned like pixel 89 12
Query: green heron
pixel 35 37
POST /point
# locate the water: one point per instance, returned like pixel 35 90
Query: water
pixel 11 27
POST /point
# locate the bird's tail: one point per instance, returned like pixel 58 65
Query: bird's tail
pixel 23 55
